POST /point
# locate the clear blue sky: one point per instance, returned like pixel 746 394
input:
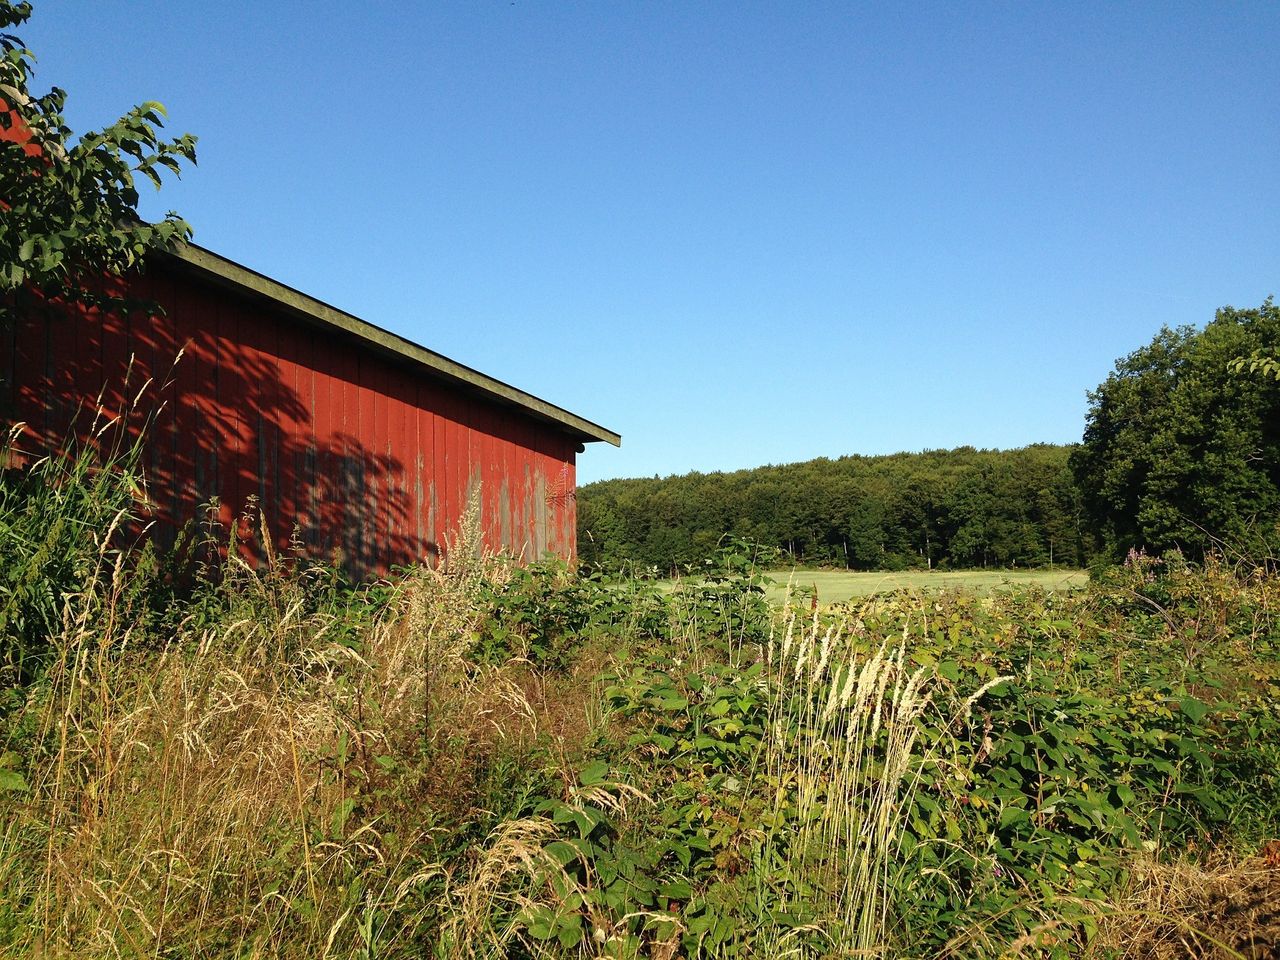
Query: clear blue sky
pixel 738 233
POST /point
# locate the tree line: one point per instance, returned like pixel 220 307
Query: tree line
pixel 940 508
pixel 1181 451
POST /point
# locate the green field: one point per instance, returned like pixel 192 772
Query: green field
pixel 834 586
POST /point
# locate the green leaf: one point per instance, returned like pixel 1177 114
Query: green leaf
pixel 672 701
pixel 563 853
pixel 340 815
pixel 593 773
pixel 541 922
pixel 570 933
pixel 1012 815
pixel 586 820
pixel 1193 708
pixel 677 890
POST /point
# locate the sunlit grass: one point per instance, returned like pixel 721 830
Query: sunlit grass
pixel 834 586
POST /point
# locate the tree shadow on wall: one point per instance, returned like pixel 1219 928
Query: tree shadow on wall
pixel 230 414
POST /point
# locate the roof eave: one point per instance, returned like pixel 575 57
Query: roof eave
pixel 233 275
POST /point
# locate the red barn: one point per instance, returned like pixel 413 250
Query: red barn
pixel 362 444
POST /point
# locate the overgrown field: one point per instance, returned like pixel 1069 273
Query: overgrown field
pixel 504 762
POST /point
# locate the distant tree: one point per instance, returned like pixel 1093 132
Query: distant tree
pixel 1179 449
pixel 866 533
pixel 970 510
pixel 69 203
pixel 961 507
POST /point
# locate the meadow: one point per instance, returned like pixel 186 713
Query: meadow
pixel 251 760
pixel 835 586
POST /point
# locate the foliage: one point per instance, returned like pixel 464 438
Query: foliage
pixel 1178 450
pixel 545 612
pixel 541 762
pixel 70 203
pixel 954 508
pixel 1257 362
pixel 840 754
pixel 63 520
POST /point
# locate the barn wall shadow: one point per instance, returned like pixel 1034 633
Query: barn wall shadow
pixel 353 457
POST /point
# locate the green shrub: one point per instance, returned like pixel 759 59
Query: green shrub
pixel 66 521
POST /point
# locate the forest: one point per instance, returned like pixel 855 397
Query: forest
pixel 940 508
pixel 1181 451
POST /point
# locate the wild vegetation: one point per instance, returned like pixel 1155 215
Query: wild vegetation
pixel 489 761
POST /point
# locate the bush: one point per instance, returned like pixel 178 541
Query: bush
pixel 65 524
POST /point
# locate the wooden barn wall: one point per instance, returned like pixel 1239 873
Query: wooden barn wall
pixel 355 455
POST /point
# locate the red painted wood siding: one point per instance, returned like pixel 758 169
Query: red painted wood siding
pixel 365 459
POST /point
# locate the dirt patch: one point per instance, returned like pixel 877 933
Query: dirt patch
pixel 1187 910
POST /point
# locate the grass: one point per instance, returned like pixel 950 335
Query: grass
pixel 514 763
pixel 836 586
pixel 286 771
pixel 853 788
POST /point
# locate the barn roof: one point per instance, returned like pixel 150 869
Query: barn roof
pixel 231 275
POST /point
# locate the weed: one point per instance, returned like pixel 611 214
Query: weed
pixel 493 761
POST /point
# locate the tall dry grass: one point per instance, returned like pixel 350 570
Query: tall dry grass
pixel 249 784
pixel 63 516
pixel 842 749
